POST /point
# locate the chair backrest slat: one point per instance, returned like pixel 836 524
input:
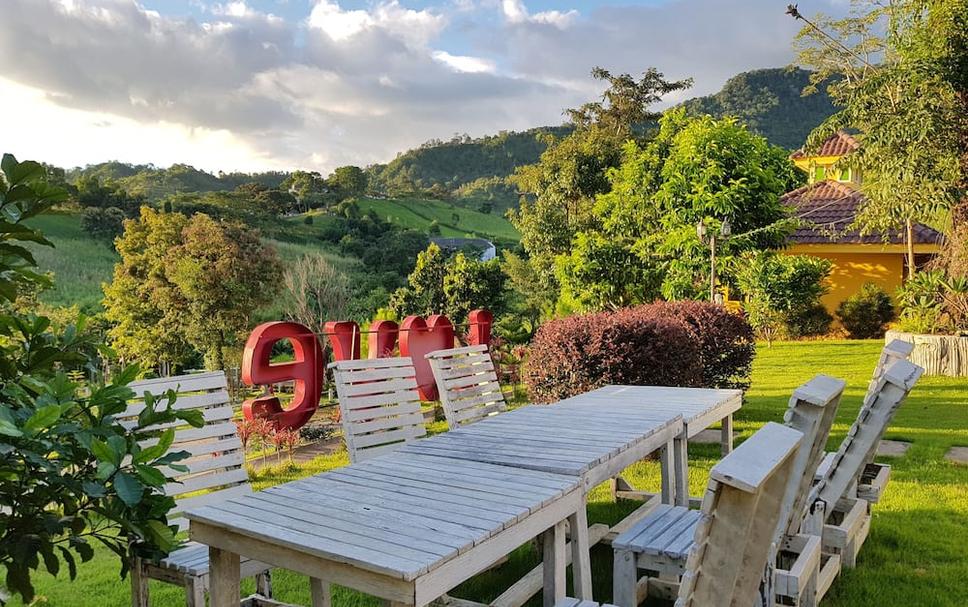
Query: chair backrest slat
pixel 882 402
pixel 811 411
pixel 467 384
pixel 216 462
pixel 379 405
pixel 740 512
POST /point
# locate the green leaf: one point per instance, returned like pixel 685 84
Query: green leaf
pixel 151 476
pixel 156 451
pixel 43 418
pixel 104 453
pixel 94 489
pixel 8 429
pixel 104 470
pixel 162 535
pixel 129 488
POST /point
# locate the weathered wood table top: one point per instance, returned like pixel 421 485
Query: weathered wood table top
pixel 699 407
pixel 405 527
pixel 592 441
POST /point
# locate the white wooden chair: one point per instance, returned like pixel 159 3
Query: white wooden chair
pixel 726 544
pixel 379 405
pixel 835 512
pixel 661 541
pixel 216 472
pixel 467 384
pixel 874 477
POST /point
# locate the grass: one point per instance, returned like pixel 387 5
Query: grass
pixel 914 556
pixel 79 263
pixel 455 222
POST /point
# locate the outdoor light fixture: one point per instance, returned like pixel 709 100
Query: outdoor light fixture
pixel 725 229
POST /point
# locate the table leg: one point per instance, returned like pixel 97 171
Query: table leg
pixel 581 567
pixel 668 475
pixel 681 463
pixel 224 578
pixel 727 434
pixel 554 564
pixel 320 592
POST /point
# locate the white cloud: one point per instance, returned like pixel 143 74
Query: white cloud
pixel 464 63
pixel 93 80
pixel 414 27
pixel 516 12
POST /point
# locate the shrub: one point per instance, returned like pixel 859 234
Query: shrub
pixel 664 344
pixel 726 343
pixel 933 302
pixel 70 473
pixel 783 294
pixel 308 220
pixel 866 313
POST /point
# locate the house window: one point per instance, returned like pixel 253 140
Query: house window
pixel 844 175
pixel 819 173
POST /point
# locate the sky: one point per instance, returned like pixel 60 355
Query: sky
pixel 315 84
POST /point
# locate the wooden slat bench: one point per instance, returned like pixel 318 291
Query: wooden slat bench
pixel 661 542
pixel 467 384
pixel 379 405
pixel 216 472
pixel 834 507
pixel 726 545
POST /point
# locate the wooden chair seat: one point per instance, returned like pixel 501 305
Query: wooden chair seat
pixel 192 559
pixel 663 538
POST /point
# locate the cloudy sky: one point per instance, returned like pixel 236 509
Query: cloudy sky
pixel 282 84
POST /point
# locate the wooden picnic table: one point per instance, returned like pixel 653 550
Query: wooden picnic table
pixel 699 408
pixel 593 443
pixel 403 527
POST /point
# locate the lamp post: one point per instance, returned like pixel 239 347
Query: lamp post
pixel 724 231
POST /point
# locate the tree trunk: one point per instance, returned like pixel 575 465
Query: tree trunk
pixel 909 237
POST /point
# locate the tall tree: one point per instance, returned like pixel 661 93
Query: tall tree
pixel 185 285
pixel 644 243
pixel 899 79
pixel 315 291
pixel 560 189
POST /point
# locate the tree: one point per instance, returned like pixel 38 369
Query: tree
pixel 642 241
pixel 424 293
pixel 315 291
pixel 140 299
pixel 225 273
pixel 105 224
pixel 70 472
pixel 906 92
pixel 184 286
pixel 452 286
pixel 347 181
pixel 560 189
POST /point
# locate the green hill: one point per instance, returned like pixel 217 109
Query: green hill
pixel 771 103
pixel 454 221
pixel 462 160
pixel 157 183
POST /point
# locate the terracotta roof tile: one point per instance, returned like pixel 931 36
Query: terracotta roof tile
pixel 827 210
pixel 838 144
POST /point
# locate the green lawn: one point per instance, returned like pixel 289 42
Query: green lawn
pixel 915 554
pixel 455 222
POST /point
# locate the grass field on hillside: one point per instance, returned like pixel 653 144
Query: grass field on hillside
pixel 79 263
pixel 417 214
pixel 915 555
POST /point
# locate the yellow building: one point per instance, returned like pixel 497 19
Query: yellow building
pixel 828 205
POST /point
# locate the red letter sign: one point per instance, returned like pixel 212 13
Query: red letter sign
pixel 420 337
pixel 306 369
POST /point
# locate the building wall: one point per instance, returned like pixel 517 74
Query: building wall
pixel 855 265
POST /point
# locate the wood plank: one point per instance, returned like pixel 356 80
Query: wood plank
pixel 762 453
